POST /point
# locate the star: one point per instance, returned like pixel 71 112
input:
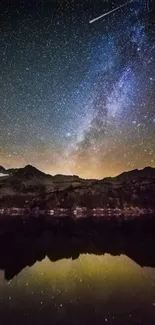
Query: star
pixel 69 102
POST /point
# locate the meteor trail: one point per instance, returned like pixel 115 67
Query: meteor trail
pixel 110 12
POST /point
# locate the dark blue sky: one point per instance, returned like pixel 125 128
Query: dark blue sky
pixel 77 97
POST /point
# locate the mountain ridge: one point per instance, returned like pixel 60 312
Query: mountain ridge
pixel 31 187
pixel 31 169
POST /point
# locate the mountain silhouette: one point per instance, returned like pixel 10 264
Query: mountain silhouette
pixel 28 185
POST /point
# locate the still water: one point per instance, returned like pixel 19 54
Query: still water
pixel 89 290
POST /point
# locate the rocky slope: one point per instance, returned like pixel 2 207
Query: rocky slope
pixel 30 187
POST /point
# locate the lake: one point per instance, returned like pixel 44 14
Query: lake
pixel 90 289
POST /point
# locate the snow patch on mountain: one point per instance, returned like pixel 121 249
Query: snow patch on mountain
pixel 3 175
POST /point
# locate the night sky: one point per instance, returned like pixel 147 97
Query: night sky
pixel 77 98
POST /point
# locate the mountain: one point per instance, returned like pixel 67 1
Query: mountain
pixel 28 172
pixel 147 172
pixel 28 185
pixel 31 182
pixel 2 170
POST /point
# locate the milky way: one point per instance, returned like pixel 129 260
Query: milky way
pixel 75 97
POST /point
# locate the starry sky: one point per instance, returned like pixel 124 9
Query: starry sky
pixel 77 98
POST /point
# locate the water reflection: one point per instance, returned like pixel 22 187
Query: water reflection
pixel 89 290
pixel 20 251
pixel 77 282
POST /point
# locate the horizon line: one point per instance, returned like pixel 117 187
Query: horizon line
pixel 59 174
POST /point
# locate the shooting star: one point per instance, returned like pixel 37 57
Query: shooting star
pixel 111 11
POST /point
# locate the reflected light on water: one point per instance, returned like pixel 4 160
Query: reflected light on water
pixel 109 287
